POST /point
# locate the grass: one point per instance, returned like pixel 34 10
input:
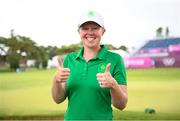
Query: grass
pixel 27 95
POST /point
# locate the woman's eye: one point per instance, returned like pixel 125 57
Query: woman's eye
pixel 84 29
pixel 95 28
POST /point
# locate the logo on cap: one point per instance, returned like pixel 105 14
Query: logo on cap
pixel 91 16
pixel 90 13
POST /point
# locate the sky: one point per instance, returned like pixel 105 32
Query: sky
pixel 54 22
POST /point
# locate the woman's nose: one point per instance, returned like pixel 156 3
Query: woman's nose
pixel 90 31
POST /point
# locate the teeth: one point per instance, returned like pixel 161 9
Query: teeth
pixel 90 38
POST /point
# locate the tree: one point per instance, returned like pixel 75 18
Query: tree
pixel 21 49
pixel 2 40
pixel 123 47
pixel 3 50
pixel 13 54
pixel 52 51
pixel 110 47
pixel 68 49
pixel 167 32
pixel 13 58
pixel 159 32
pixel 43 56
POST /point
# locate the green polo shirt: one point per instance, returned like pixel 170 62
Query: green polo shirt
pixel 86 99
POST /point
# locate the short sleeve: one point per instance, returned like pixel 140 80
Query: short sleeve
pixel 119 72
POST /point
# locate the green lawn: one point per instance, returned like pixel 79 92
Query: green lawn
pixel 27 95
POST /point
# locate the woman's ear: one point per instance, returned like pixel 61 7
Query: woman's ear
pixel 78 30
pixel 104 30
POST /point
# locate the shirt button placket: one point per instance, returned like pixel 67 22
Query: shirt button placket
pixel 85 71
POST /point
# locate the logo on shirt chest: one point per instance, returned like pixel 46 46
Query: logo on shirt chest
pixel 101 68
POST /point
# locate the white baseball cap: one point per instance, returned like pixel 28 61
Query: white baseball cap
pixel 91 16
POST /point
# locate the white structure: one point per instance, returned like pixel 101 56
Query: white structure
pixel 53 62
pixel 121 52
pixel 31 63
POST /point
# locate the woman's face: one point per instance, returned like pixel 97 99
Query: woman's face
pixel 90 34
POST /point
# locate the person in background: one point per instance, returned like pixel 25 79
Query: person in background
pixel 93 78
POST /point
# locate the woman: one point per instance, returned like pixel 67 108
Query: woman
pixel 93 78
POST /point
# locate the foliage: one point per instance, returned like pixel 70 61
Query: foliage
pixel 159 32
pixel 69 48
pixel 21 48
pixel 52 51
pixel 123 47
pixel 110 47
pixel 13 58
pixel 2 50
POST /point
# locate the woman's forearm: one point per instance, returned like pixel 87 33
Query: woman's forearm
pixel 58 91
pixel 119 96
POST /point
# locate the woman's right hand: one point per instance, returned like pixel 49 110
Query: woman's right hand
pixel 62 73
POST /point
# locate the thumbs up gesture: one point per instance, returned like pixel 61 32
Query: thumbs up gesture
pixel 105 79
pixel 62 73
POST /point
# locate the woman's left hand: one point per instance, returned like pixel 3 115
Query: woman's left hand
pixel 105 79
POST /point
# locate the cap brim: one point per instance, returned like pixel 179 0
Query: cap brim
pixel 89 22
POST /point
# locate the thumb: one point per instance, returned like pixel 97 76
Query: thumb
pixel 108 66
pixel 60 62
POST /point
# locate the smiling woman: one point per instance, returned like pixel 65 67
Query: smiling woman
pixel 78 75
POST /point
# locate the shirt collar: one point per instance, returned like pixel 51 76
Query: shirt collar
pixel 101 55
pixel 80 53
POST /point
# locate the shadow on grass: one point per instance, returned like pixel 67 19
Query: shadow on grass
pixel 34 117
pixel 118 115
pixel 135 115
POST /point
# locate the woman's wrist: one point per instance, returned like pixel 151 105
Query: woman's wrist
pixel 114 84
